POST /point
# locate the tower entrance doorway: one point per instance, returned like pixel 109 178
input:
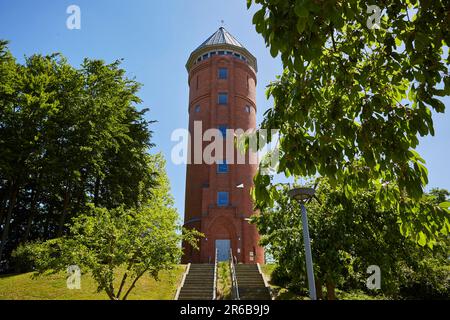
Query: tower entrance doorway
pixel 223 249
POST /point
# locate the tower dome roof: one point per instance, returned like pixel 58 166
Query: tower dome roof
pixel 221 40
pixel 221 36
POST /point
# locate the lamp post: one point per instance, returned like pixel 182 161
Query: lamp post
pixel 302 195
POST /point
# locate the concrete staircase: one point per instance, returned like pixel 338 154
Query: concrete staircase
pixel 251 283
pixel 199 283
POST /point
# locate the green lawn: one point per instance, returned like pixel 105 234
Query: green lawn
pixel 267 269
pixel 53 287
pixel 224 282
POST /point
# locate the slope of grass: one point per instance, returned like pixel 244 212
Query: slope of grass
pixel 267 269
pixel 54 287
pixel 285 294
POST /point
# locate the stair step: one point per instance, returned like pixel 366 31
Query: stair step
pixel 255 297
pixel 253 274
pixel 196 291
pixel 250 279
pixel 201 274
pixel 260 290
pixel 198 285
pixel 195 298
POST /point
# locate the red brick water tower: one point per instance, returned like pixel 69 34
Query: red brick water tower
pixel 222 83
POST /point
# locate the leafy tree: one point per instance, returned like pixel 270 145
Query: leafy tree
pixel 441 195
pixel 68 137
pixel 130 242
pixel 352 100
pixel 348 235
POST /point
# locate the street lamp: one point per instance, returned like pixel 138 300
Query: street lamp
pixel 302 195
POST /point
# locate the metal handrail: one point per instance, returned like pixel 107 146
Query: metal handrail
pixel 234 283
pixel 215 277
pixel 177 294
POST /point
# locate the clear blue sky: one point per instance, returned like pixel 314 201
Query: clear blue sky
pixel 155 38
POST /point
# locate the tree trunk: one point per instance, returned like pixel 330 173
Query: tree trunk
pixel 331 293
pixel 12 203
pixel 80 198
pixel 133 284
pixel 31 215
pixel 3 202
pixel 47 222
pixel 319 289
pixel 62 218
pixel 122 284
pixel 96 191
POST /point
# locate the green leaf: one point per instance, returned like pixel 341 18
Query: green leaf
pixel 422 239
pixel 273 51
pixel 300 10
pixel 437 104
pixel 301 24
pixel 258 18
pixel 445 205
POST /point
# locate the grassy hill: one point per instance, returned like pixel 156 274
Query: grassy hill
pixel 285 294
pixel 53 287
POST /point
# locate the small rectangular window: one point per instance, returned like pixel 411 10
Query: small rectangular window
pixel 222 166
pixel 223 73
pixel 222 199
pixel 223 98
pixel 223 130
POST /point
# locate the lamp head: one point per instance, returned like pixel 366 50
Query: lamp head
pixel 301 194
